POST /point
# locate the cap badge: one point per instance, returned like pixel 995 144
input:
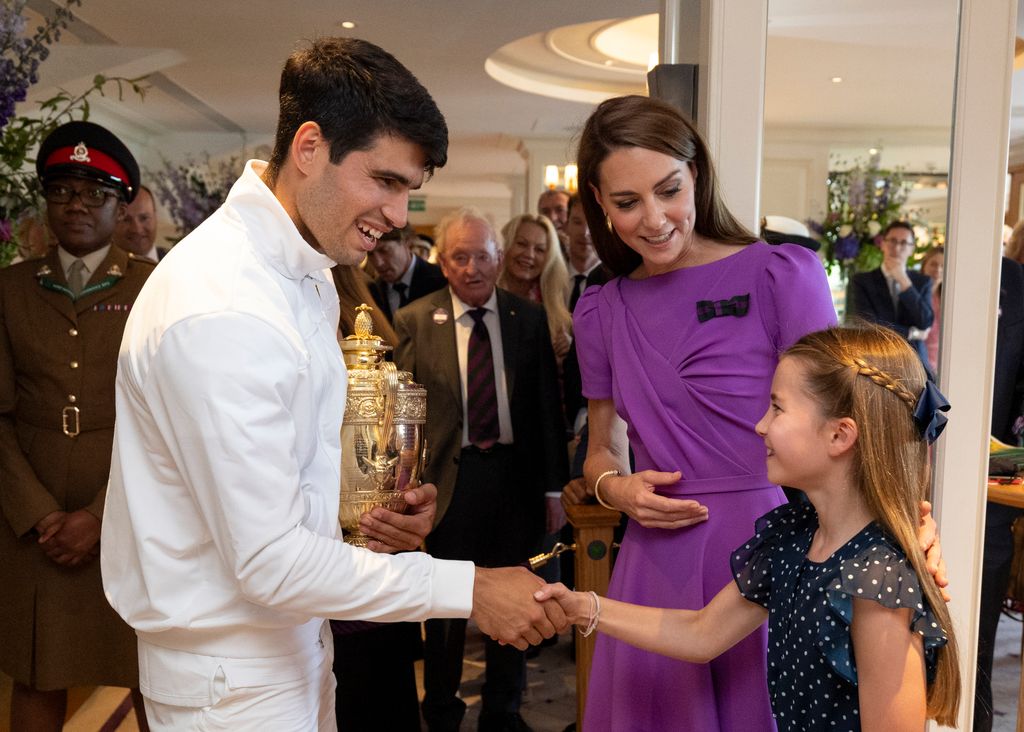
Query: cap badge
pixel 81 154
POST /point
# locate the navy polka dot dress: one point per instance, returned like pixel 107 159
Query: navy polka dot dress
pixel 812 675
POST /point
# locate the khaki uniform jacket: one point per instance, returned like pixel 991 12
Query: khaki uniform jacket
pixel 58 358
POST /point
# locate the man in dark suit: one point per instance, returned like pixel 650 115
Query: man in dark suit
pixel 1006 408
pixel 136 232
pixel 497 444
pixel 401 276
pixel 893 296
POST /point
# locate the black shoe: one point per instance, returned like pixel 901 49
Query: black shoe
pixel 511 722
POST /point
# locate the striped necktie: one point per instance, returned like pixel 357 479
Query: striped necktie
pixel 481 392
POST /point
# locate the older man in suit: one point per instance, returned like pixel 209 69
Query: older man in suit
pixel 61 320
pixel 497 445
pixel 894 296
pixel 401 276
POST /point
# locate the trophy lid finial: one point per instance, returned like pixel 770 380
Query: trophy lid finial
pixel 364 323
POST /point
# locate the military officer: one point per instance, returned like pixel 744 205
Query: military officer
pixel 61 320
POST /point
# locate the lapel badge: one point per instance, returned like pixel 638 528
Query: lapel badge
pixel 115 271
pixel 81 154
pixel 440 316
pixel 44 271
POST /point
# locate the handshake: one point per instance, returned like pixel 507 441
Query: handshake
pixel 510 604
pixel 515 607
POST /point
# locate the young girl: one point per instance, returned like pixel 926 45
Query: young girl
pixel 859 636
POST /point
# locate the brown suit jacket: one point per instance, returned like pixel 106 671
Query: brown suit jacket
pixel 57 353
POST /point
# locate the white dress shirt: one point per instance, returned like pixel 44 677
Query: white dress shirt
pixel 220 533
pixel 463 327
pixel 573 272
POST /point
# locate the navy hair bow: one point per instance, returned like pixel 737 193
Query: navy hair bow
pixel 928 412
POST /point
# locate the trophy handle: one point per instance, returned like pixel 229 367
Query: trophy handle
pixel 389 383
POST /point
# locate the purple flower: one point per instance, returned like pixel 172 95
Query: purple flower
pixel 846 247
pixel 6 230
pixel 192 192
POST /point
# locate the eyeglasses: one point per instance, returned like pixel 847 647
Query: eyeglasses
pixel 900 242
pixel 90 197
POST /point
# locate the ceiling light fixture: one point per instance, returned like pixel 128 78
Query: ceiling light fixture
pixel 837 80
pixel 347 24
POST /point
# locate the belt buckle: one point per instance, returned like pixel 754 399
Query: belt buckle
pixel 70 421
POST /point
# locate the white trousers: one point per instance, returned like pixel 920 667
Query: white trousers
pixel 240 701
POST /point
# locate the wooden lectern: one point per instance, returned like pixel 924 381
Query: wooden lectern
pixel 593 526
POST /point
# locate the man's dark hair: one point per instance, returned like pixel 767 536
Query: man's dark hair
pixel 898 225
pixel 356 92
pixel 406 233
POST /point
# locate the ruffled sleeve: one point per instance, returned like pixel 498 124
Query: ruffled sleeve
pixel 882 574
pixel 796 286
pixel 591 347
pixel 774 537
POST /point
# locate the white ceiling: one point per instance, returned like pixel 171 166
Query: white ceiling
pixel 214 68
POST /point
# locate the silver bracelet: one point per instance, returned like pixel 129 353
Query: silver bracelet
pixel 597 486
pixel 595 604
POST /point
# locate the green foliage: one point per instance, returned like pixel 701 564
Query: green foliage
pixel 862 201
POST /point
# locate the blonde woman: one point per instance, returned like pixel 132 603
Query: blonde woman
pixel 534 269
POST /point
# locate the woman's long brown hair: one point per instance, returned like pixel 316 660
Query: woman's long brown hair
pixel 636 121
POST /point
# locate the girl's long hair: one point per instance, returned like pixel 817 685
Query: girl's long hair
pixel 651 124
pixel 554 278
pixel 871 375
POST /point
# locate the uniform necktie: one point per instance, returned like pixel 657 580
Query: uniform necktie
pixel 403 293
pixel 894 290
pixel 577 290
pixel 76 277
pixel 481 393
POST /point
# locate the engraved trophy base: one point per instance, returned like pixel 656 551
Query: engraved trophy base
pixel 353 505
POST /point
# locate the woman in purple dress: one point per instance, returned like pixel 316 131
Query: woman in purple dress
pixel 677 355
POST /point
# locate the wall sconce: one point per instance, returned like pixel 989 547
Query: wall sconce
pixel 562 177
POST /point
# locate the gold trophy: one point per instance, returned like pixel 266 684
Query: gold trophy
pixel 382 444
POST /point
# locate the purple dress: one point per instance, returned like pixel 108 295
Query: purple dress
pixel 688 359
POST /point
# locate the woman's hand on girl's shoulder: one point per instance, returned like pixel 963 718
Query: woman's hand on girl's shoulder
pixel 635 495
pixel 928 536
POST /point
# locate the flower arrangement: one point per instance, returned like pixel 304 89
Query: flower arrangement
pixel 193 191
pixel 862 201
pixel 20 57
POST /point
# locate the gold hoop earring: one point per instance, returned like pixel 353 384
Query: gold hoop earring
pixel 608 222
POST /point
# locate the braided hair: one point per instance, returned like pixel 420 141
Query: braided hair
pixel 871 375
